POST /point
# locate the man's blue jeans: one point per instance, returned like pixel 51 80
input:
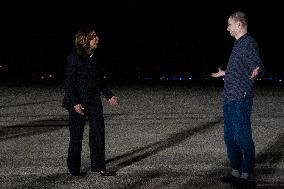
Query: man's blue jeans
pixel 238 135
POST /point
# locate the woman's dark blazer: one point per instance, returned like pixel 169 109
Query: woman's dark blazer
pixel 84 82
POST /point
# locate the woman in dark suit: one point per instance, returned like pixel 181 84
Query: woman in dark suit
pixel 84 85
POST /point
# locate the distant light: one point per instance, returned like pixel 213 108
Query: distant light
pixel 0 66
pixel 50 76
pixel 42 77
pixel 280 80
pixel 190 78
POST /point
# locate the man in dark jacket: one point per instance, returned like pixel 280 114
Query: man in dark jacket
pixel 84 84
pixel 244 66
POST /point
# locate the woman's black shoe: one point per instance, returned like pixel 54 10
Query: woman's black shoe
pixel 106 173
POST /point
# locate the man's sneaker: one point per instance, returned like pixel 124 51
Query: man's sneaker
pixel 105 173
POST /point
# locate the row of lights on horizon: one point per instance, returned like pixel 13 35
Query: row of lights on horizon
pixel 163 78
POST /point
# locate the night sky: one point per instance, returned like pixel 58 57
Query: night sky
pixel 136 37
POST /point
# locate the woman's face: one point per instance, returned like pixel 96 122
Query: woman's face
pixel 94 42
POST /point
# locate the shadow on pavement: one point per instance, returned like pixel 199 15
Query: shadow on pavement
pixel 151 149
pixel 33 128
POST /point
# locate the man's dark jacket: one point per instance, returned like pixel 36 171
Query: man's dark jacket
pixel 84 82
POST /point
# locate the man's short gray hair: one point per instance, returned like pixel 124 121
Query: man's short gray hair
pixel 241 17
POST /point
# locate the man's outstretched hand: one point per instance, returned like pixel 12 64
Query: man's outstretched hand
pixel 220 73
pixel 113 101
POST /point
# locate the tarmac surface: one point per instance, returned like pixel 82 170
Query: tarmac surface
pixel 162 135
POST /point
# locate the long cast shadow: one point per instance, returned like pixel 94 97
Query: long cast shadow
pixel 273 153
pixel 151 149
pixel 32 128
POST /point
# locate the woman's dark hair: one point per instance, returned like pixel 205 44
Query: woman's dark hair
pixel 83 38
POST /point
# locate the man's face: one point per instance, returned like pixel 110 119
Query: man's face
pixel 233 27
pixel 94 42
